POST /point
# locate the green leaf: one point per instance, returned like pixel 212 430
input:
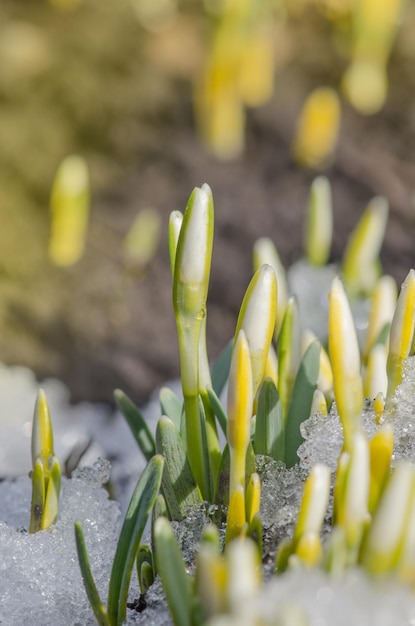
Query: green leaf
pixel 255 532
pixel 269 435
pixel 179 486
pixel 175 580
pixel 285 550
pixel 289 352
pixel 142 501
pixel 171 406
pixel 300 403
pixel 159 510
pixel 383 336
pixel 220 369
pixel 222 490
pixel 218 409
pixel 210 432
pixel 137 424
pixel 89 583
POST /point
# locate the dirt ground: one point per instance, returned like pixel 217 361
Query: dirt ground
pixel 99 91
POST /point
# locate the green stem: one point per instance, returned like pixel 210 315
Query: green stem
pixel 188 330
pixel 196 450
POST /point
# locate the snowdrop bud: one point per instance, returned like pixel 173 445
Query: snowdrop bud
pixel 317 128
pixel 69 211
pixel 352 501
pixel 240 397
pixel 309 549
pixel 362 252
pixel 240 402
pixel 379 406
pixel 386 538
pixel 175 224
pixel 314 502
pixel 325 376
pixel 42 435
pixel 381 448
pixel 376 378
pixel 345 361
pixel 381 311
pixel 210 580
pixel 401 332
pixel 365 82
pixel 257 319
pixel 243 573
pixel 319 404
pixel 320 222
pixel 236 519
pixel 265 252
pixel 253 497
pixel 193 255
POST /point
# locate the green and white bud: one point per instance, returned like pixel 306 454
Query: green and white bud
pixel 345 361
pixel 319 231
pixel 257 320
pixel 265 253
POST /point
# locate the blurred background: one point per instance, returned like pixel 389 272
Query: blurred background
pixel 255 97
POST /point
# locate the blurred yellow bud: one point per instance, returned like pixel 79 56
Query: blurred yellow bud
pixel 317 128
pixel 365 85
pixel 142 240
pixel 320 222
pixel 69 211
pixel 361 259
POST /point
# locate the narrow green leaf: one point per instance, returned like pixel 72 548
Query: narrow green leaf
pixel 222 489
pixel 142 501
pixel 171 406
pixel 38 497
pixel 285 550
pixel 218 409
pixel 175 580
pixel 159 510
pixel 213 446
pixel 300 403
pixel 89 583
pixel 179 486
pixel 269 435
pixel 383 336
pixel 211 456
pixel 137 424
pixel 255 532
pixel 220 368
pixel 289 352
